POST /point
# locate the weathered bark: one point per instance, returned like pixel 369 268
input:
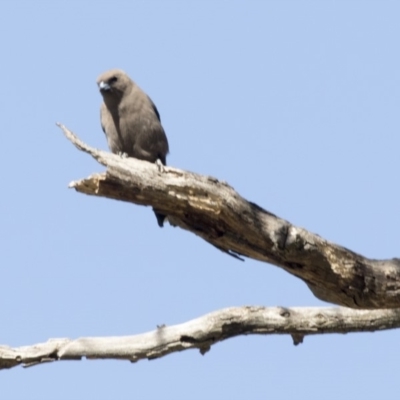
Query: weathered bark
pixel 203 332
pixel 214 211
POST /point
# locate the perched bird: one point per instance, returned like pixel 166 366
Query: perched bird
pixel 131 121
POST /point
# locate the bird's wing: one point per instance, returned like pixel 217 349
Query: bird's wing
pixel 101 118
pixel 154 108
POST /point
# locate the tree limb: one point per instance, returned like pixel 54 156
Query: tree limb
pixel 203 332
pixel 214 211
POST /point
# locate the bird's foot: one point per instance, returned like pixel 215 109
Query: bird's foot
pixel 122 154
pixel 160 165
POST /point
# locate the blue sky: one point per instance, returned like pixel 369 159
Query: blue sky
pixel 293 103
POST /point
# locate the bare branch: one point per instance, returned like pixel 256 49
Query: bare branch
pixel 203 332
pixel 214 211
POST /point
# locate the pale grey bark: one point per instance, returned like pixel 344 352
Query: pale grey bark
pixel 203 332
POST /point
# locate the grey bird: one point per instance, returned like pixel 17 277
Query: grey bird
pixel 131 121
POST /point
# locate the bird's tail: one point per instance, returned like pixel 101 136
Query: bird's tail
pixel 160 218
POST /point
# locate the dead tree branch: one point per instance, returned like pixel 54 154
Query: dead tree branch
pixel 214 211
pixel 203 332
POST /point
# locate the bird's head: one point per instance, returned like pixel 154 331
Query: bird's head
pixel 114 83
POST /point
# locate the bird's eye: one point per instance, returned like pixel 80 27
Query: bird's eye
pixel 113 80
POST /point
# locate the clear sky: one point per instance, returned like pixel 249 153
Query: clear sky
pixel 293 103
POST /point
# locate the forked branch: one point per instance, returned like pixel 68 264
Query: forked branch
pixel 214 211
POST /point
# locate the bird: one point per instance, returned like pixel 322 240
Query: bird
pixel 131 121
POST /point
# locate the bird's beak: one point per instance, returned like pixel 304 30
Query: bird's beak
pixel 104 86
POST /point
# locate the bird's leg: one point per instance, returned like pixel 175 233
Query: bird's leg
pixel 160 165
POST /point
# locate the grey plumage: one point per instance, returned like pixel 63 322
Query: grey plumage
pixel 131 121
